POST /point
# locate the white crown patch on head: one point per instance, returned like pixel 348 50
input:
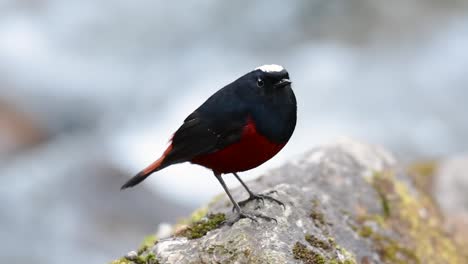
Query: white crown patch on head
pixel 270 68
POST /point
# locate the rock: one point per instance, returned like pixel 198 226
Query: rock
pixel 451 183
pixel 132 255
pixel 345 203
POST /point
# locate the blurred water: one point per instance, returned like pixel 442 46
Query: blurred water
pixel 111 80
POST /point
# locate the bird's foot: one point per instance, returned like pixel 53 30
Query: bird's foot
pixel 241 215
pixel 262 198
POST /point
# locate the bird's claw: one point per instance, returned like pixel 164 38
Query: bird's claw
pixel 253 217
pixel 252 198
pixel 262 198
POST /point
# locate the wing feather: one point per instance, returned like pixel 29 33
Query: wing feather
pixel 199 136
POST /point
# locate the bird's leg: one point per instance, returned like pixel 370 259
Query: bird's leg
pixel 239 212
pixel 253 196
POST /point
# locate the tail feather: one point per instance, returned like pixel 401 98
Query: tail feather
pixel 142 175
pixel 135 180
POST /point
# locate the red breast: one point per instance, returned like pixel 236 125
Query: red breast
pixel 252 150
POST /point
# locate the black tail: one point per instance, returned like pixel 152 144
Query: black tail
pixel 155 166
pixel 142 175
pixel 135 180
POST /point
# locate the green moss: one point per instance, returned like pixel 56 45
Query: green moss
pixel 333 253
pixel 391 251
pixel 149 258
pixel 382 186
pixel 365 231
pixel 337 261
pixel 412 231
pixel 301 252
pixel 200 228
pixel 316 214
pixel 348 256
pixel 142 257
pixel 122 261
pixel 232 251
pixel 307 256
pixel 331 241
pixel 183 223
pixel 315 242
pixel 318 217
pixel 424 168
pixel 221 250
pixel 147 243
pixel 422 174
pixel 315 203
pixel 215 248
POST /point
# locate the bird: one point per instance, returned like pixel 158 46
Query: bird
pixel 238 128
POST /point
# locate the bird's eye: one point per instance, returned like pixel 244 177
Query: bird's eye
pixel 260 83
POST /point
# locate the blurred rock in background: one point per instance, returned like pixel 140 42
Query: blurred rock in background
pixel 90 92
pixel 18 131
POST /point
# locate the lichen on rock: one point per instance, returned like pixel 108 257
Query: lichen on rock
pixel 411 230
pixel 308 256
pixel 204 225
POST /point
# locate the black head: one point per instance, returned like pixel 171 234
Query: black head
pixel 270 79
pixel 270 100
pixel 270 82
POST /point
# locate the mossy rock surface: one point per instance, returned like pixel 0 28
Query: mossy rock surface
pixel 345 203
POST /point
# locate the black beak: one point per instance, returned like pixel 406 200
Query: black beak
pixel 282 83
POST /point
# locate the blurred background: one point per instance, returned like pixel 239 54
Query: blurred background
pixel 91 91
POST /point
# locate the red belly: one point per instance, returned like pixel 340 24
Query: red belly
pixel 251 151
